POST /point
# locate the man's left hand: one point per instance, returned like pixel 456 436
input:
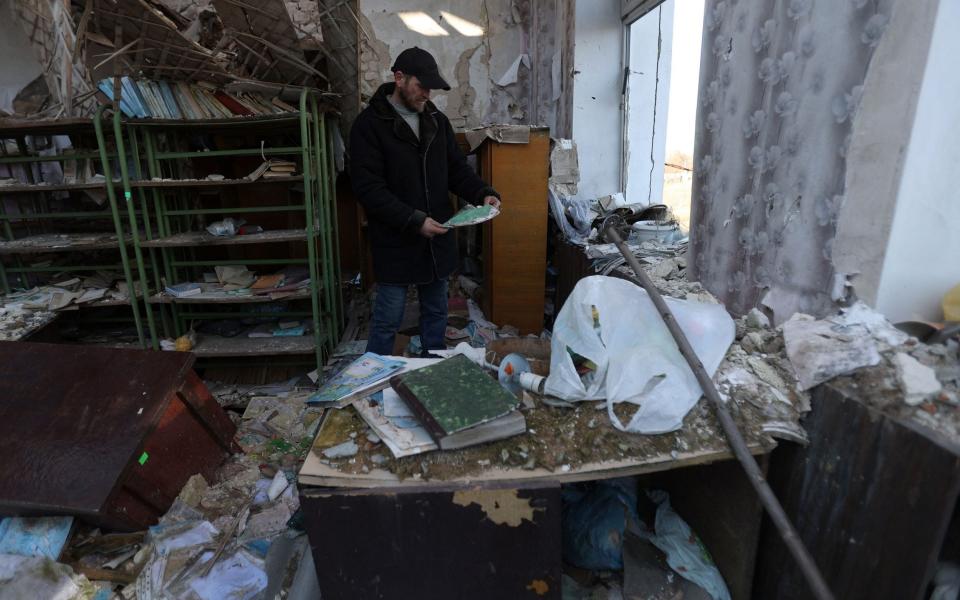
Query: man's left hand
pixel 492 201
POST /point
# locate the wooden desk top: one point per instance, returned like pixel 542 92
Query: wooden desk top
pixel 700 441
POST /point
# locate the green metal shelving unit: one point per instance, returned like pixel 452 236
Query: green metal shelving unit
pixel 164 205
pixel 26 230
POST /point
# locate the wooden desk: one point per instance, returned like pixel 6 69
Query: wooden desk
pixel 408 519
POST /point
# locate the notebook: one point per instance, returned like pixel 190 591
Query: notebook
pixel 459 403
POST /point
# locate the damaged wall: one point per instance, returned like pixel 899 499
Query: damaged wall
pixel 504 59
pixel 648 93
pixel 597 99
pixel 19 67
pixel 780 87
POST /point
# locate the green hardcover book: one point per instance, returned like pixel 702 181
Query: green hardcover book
pixel 459 404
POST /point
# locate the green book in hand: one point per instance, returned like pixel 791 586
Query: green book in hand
pixel 459 404
pixel 472 215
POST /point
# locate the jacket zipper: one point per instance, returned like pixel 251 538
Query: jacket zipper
pixel 426 189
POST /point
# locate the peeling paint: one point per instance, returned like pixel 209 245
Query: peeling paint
pixel 539 587
pixel 464 93
pixel 471 64
pixel 503 507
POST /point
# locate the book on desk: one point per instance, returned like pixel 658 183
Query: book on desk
pixel 459 404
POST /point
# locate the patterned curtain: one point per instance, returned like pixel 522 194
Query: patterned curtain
pixel 780 83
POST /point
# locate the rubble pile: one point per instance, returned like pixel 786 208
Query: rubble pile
pixel 17 321
pixel 890 370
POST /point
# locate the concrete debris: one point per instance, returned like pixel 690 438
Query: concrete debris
pixel 344 450
pixel 917 381
pixel 822 350
pixel 757 320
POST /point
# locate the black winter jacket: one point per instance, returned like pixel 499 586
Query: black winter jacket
pixel 400 181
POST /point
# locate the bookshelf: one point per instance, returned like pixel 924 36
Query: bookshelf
pixel 157 197
pixel 56 200
pixel 169 184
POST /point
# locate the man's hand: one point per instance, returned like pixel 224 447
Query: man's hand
pixel 431 228
pixel 492 201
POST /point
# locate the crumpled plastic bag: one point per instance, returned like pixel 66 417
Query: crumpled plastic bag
pixel 685 553
pixel 594 520
pixel 613 324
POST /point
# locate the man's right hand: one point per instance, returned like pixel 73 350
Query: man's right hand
pixel 431 228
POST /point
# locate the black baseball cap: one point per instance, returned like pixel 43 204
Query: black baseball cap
pixel 420 63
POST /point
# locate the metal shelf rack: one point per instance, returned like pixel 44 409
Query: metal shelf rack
pixel 165 200
pixel 34 223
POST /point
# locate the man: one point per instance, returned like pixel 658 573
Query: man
pixel 404 160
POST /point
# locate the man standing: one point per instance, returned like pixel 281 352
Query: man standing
pixel 404 160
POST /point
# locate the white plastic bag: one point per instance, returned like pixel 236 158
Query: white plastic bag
pixel 685 553
pixel 636 358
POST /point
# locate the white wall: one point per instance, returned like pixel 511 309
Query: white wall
pixel 922 260
pixel 596 96
pixel 648 93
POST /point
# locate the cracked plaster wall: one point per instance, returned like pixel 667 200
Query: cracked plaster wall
pixel 472 65
pixel 19 67
pixel 785 95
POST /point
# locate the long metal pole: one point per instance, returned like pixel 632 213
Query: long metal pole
pixel 739 446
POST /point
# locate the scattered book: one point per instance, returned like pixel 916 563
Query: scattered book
pixel 361 377
pixel 401 441
pixel 268 282
pixel 290 331
pixel 459 403
pixel 184 290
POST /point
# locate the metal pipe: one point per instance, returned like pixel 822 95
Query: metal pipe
pixel 739 446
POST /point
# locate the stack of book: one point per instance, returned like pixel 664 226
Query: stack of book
pixel 273 168
pixel 145 99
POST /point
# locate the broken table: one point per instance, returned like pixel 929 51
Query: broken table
pixel 494 530
pixel 105 434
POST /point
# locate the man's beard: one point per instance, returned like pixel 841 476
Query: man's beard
pixel 405 98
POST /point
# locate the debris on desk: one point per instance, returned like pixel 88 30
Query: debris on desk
pixel 918 382
pixel 364 376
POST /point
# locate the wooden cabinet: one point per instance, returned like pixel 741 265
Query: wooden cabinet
pixel 515 243
pixel 106 434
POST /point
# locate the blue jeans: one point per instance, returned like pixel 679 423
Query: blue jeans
pixel 388 316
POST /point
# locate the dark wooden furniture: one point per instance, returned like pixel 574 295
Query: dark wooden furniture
pixel 109 435
pixel 515 243
pixel 871 497
pixel 435 542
